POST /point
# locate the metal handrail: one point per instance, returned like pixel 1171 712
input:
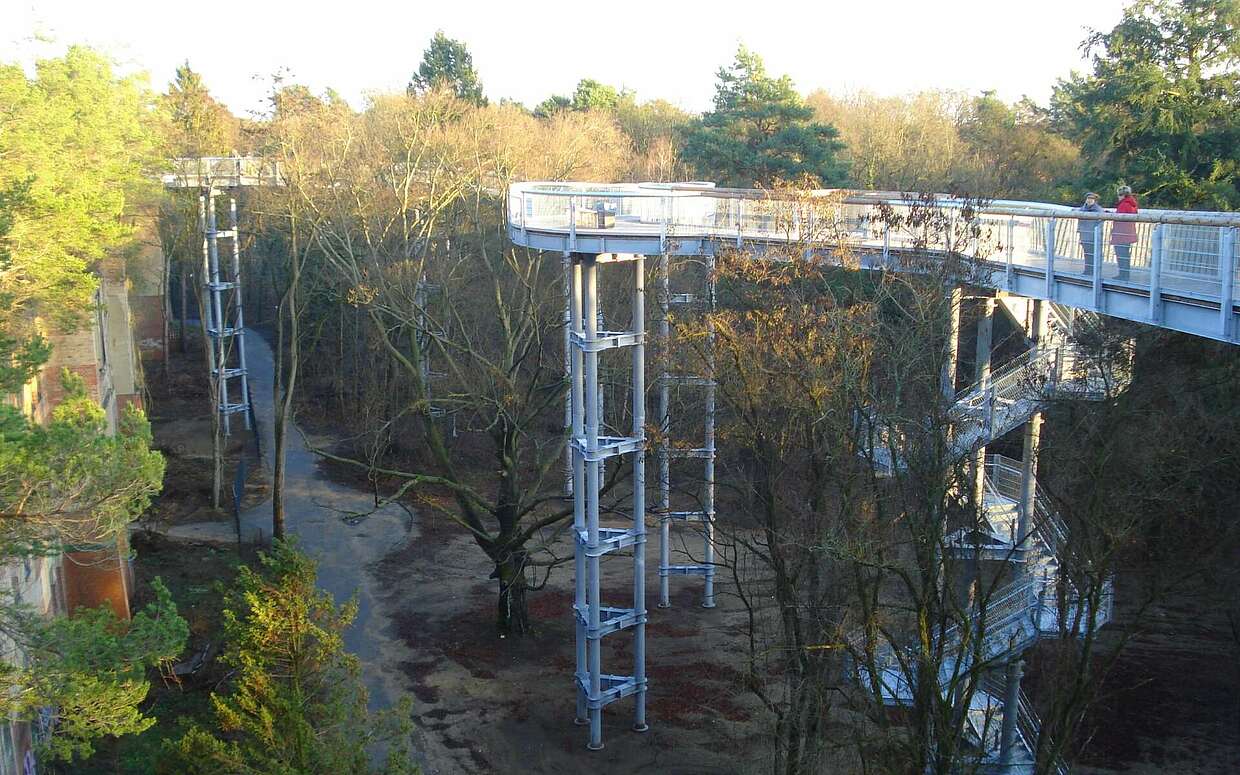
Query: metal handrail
pixel 1177 256
pixel 704 189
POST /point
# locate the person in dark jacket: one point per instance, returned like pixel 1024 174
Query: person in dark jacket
pixel 1124 234
pixel 1087 230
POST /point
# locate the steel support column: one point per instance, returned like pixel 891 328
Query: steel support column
pixel 222 308
pixel 704 511
pixel 981 376
pixel 590 447
pixel 953 343
pixel 1011 712
pixel 1032 438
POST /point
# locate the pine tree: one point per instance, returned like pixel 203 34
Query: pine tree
pixel 761 132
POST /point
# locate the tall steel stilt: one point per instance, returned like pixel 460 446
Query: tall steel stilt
pixel 225 322
pixel 570 276
pixel 590 447
pixel 639 493
pixel 577 409
pixel 668 451
pixel 238 312
pixel 427 332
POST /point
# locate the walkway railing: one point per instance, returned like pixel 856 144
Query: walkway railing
pixel 1190 255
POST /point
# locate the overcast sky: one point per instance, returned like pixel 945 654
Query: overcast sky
pixel 528 49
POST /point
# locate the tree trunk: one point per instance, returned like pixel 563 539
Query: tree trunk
pixel 165 288
pixel 279 432
pixel 182 311
pixel 513 614
pixel 284 386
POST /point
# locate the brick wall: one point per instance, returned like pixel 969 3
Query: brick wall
pixel 98 577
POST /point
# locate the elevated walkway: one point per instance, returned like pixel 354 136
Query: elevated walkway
pixel 1181 273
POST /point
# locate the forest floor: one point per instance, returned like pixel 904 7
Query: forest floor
pixel 486 704
pixel 1171 704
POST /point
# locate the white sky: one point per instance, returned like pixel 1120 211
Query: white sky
pixel 528 49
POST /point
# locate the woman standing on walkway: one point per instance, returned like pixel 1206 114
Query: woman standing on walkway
pixel 1124 233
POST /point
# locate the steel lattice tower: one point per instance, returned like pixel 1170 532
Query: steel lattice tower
pixel 222 306
pixel 594 620
pixel 669 450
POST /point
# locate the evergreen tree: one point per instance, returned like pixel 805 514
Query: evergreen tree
pixel 761 132
pixel 201 126
pixel 297 705
pixel 448 63
pixel 1161 109
pixel 75 151
pixel 89 670
pixel 72 481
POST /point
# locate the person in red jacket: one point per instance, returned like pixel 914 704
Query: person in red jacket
pixel 1124 233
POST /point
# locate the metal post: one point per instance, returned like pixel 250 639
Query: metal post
pixel 1031 440
pixel 1227 280
pixel 985 336
pixel 572 223
pixel 1156 256
pixel 204 296
pixel 953 344
pixel 639 494
pixel 1011 710
pixel 1050 258
pixel 1032 436
pixel 217 311
pixel 576 400
pixel 602 405
pixel 238 312
pixel 708 495
pixel 1095 267
pixel 1010 253
pixel 665 427
pixel 589 314
pixel 570 272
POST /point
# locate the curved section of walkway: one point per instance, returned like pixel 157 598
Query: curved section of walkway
pixel 1181 271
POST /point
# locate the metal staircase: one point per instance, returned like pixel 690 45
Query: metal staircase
pixel 1025 610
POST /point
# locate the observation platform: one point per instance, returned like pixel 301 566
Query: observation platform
pixel 1182 271
pixel 222 172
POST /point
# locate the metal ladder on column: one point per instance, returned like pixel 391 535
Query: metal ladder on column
pixel 222 307
pixel 594 620
pixel 669 450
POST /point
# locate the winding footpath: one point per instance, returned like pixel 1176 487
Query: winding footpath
pixel 316 511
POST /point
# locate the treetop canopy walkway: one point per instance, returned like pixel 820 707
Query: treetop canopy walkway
pixel 1168 268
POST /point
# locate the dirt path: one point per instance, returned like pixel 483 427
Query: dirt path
pixel 317 510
